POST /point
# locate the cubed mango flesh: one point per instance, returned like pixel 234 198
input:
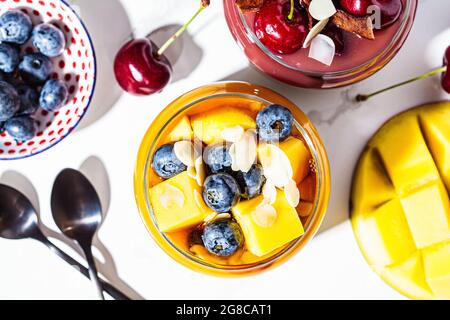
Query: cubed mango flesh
pixel 428 214
pixel 208 126
pixel 178 214
pixel 385 234
pixel 181 131
pixel 436 129
pixel 299 156
pixel 406 157
pixel 437 269
pixel 371 186
pixel 264 240
pixel 308 188
pixel 409 276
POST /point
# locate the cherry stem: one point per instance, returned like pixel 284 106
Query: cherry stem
pixel 177 34
pixel 365 97
pixel 291 13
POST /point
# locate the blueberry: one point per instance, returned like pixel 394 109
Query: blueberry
pixel 29 99
pixel 220 192
pixel 222 237
pixel 251 182
pixel 9 57
pixel 54 95
pixel 165 162
pixel 49 40
pixel 274 123
pixel 9 101
pixel 35 68
pixel 218 158
pixel 15 27
pixel 2 127
pixel 21 128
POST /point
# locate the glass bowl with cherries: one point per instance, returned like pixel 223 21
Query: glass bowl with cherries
pixel 320 43
pixel 232 179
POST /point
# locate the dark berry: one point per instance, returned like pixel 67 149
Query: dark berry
pixel 15 27
pixel 54 95
pixel 21 128
pixel 222 237
pixel 221 192
pixel 9 58
pixel 49 40
pixel 252 182
pixel 35 68
pixel 217 157
pixel 9 101
pixel 274 123
pixel 165 162
pixel 29 100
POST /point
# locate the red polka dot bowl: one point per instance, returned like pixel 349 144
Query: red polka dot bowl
pixel 76 66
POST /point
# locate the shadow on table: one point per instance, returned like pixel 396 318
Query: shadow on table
pixel 109 26
pixel 95 171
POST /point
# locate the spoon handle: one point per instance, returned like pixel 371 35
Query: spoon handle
pixel 93 275
pixel 111 290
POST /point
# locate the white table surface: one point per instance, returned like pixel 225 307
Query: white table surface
pixel 330 267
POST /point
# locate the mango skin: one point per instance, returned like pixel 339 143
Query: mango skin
pixel 400 207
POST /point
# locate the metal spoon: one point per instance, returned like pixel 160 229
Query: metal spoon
pixel 77 212
pixel 19 220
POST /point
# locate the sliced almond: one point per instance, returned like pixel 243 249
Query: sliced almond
pixel 198 198
pixel 185 152
pixel 171 196
pixel 223 216
pixel 233 134
pixel 362 26
pixel 210 217
pixel 292 194
pixel 244 152
pixel 322 49
pixel 322 9
pixel 318 27
pixel 276 165
pixel 265 216
pixel 200 171
pixel 192 173
pixel 249 5
pixel 269 192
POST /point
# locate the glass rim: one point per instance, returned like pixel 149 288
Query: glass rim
pixel 242 267
pixel 380 57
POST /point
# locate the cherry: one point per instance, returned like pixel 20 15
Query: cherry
pixel 281 26
pixel 390 11
pixel 443 70
pixel 141 68
pixel 446 75
pixel 355 7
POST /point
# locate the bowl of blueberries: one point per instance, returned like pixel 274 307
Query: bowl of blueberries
pixel 47 75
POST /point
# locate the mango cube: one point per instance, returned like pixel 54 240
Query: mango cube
pixel 263 240
pixel 408 276
pixel 385 234
pixel 428 214
pixel 181 131
pixel 299 156
pixel 208 126
pixel 437 269
pixel 177 203
pixel 436 127
pixel 371 185
pixel 406 157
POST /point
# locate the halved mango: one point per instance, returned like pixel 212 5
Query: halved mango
pixel 172 213
pixel 263 240
pixel 208 126
pixel 428 214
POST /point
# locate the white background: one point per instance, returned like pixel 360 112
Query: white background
pixel 330 267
